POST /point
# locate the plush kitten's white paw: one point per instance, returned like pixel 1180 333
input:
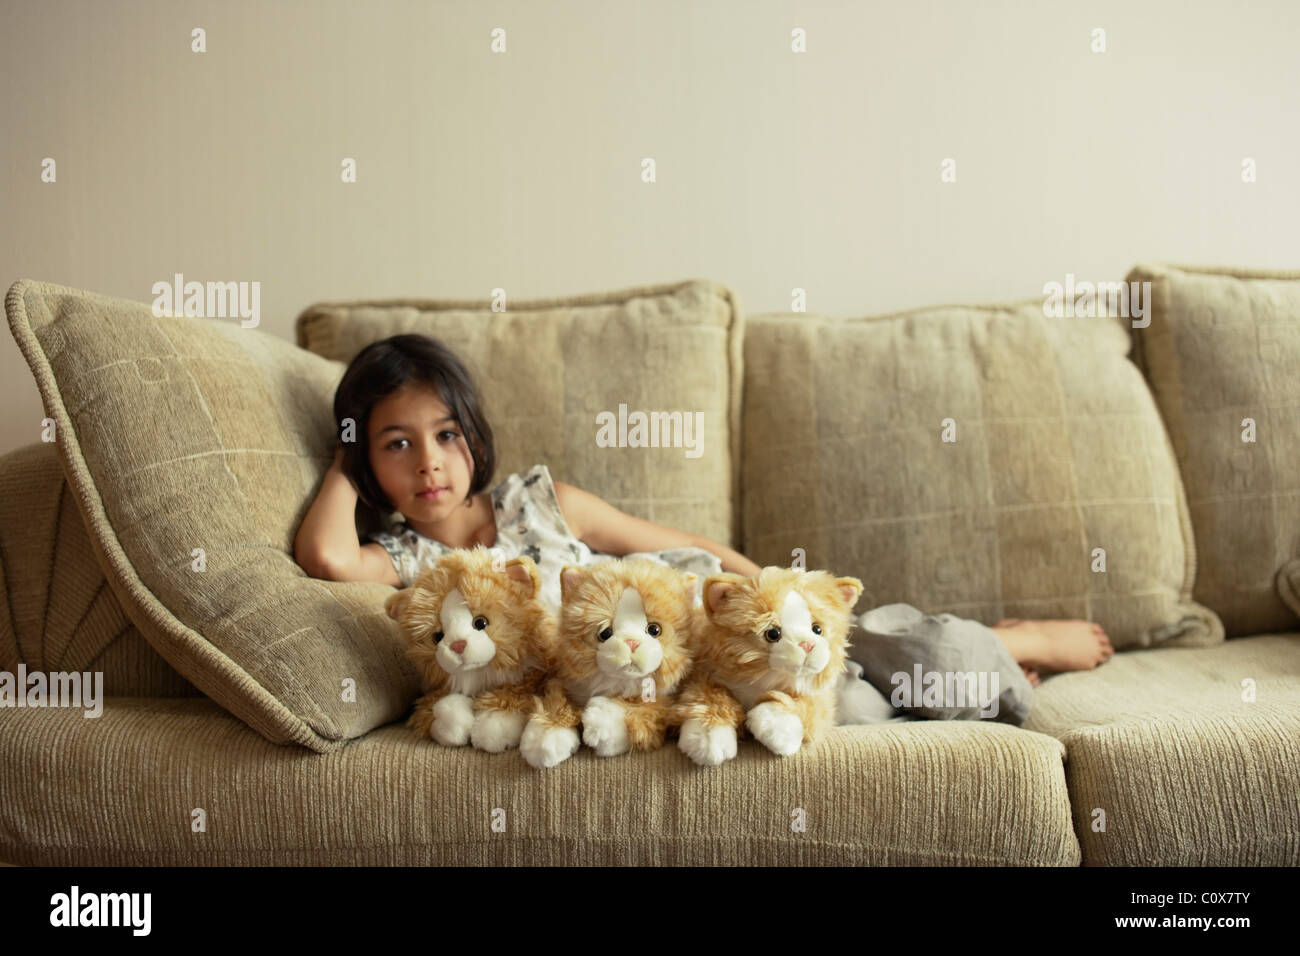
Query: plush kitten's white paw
pixel 604 727
pixel 707 746
pixel 776 728
pixel 545 746
pixel 453 716
pixel 497 730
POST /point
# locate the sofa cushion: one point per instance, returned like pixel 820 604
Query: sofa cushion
pixel 1187 772
pixel 943 793
pixel 548 367
pixel 1057 461
pixel 193 448
pixel 1223 346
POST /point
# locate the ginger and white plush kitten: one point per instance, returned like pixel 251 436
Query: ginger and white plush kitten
pixel 479 639
pixel 622 647
pixel 768 656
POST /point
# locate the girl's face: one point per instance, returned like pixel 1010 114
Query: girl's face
pixel 415 444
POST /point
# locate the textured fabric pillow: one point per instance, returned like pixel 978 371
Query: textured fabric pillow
pixel 1223 346
pixel 1288 585
pixel 1059 450
pixel 185 434
pixel 548 367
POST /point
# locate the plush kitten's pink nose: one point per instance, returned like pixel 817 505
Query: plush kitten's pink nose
pixel 458 646
pixel 807 646
pixel 633 645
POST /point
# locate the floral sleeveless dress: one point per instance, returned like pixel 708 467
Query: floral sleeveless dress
pixel 529 522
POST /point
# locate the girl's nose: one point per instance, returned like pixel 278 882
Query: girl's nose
pixel 431 462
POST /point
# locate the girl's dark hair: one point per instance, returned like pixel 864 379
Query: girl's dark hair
pixel 380 369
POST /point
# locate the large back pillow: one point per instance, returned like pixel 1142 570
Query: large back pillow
pixel 551 369
pixel 194 448
pixel 985 461
pixel 1222 353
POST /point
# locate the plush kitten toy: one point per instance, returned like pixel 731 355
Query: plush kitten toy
pixel 621 649
pixel 770 656
pixel 479 639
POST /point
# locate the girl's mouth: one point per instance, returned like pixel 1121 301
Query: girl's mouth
pixel 434 494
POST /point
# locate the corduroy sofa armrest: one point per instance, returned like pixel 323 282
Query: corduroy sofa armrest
pixel 57 612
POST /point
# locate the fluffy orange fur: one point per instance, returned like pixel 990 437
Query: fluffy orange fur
pixel 480 639
pixel 768 655
pixel 622 648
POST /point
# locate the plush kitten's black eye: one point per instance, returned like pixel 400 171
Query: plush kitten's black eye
pixel 773 634
pixel 437 636
pixel 606 634
pixel 653 630
pixel 817 628
pixel 480 622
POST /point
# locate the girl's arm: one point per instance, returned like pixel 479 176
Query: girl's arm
pixel 606 529
pixel 326 545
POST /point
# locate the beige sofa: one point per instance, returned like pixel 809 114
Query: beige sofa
pixel 989 461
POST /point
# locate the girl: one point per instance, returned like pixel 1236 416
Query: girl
pixel 424 448
pixel 421 446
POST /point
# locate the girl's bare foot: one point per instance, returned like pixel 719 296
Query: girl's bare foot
pixel 1031 675
pixel 1054 646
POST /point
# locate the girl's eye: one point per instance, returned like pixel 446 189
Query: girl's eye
pixel 392 444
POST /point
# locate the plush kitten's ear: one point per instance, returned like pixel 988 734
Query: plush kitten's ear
pixel 396 603
pixel 570 578
pixel 524 570
pixel 690 584
pixel 850 589
pixel 718 589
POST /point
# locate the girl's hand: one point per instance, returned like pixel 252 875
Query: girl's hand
pixel 336 467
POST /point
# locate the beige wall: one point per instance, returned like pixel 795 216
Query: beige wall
pixel 521 170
